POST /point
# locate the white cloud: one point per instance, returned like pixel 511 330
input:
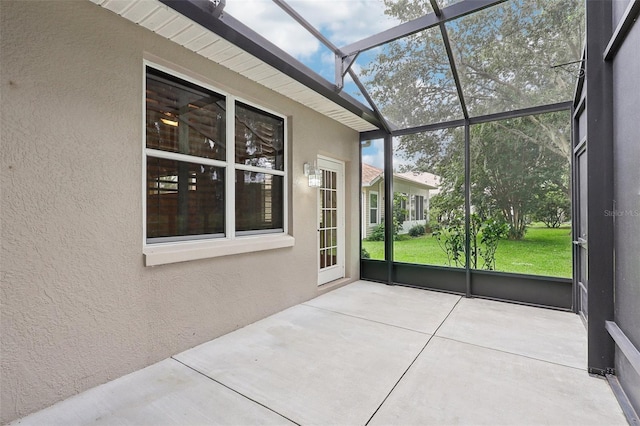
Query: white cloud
pixel 271 22
pixel 375 160
pixel 345 21
pixel 341 21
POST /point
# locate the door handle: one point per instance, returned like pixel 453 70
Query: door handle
pixel 580 242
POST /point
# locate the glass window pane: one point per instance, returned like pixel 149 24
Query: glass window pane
pixel 520 195
pixel 372 191
pixel 411 80
pixel 259 138
pixel 259 201
pixel 182 117
pixel 430 175
pixel 374 211
pixel 184 199
pixel 505 54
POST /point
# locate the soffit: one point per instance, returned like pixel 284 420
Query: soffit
pixel 173 26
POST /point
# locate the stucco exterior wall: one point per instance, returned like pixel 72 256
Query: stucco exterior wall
pixel 78 306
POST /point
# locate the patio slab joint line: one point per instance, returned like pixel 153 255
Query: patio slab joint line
pixel 239 393
pixel 368 319
pixel 515 354
pixel 412 362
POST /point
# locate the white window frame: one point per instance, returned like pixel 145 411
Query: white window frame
pixel 202 247
pixel 377 221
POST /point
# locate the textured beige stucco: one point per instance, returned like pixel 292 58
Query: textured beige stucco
pixel 78 306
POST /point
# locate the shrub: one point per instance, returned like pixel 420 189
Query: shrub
pixel 417 231
pixel 377 234
pixel 484 236
pixel 553 207
pixel 364 254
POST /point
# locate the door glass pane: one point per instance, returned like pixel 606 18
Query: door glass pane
pixel 328 211
pixel 184 199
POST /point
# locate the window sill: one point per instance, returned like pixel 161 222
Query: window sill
pixel 165 253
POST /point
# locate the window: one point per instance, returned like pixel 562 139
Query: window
pixel 418 205
pixel 215 166
pixel 259 158
pixel 373 207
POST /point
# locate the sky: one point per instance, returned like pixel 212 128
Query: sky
pixel 341 21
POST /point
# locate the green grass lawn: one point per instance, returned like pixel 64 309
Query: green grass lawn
pixel 543 251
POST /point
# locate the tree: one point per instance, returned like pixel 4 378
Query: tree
pixel 552 206
pixel 439 152
pixel 512 171
pixel 503 57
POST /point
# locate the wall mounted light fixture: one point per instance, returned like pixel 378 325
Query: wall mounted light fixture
pixel 314 174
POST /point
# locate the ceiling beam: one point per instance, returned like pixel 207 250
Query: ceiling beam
pixel 454 69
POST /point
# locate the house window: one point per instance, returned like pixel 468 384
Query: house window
pixel 419 207
pixel 373 207
pixel 205 180
pixel 259 163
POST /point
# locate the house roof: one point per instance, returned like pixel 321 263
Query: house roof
pixel 371 174
pixel 423 178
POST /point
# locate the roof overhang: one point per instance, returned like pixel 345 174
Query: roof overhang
pixel 414 183
pixel 233 45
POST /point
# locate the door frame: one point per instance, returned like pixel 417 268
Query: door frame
pixel 580 248
pixel 337 271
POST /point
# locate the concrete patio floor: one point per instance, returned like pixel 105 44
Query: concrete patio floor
pixel 367 354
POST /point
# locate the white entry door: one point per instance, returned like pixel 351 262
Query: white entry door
pixel 331 221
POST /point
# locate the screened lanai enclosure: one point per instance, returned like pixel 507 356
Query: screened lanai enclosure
pixel 466 113
pixel 466 150
pixel 475 96
pixel 473 124
pixel 478 98
pixel 498 159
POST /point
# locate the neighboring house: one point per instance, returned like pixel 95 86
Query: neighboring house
pixel 372 198
pixel 413 188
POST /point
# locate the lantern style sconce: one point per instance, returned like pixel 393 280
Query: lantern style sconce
pixel 314 175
